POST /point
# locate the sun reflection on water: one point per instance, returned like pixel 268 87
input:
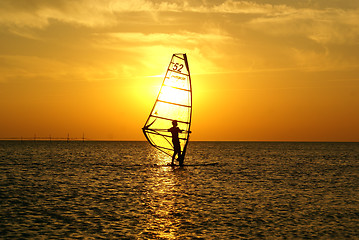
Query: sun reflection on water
pixel 163 189
pixel 158 158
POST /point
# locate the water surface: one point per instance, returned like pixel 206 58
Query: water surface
pixel 115 190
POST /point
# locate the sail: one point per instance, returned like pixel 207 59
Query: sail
pixel 174 102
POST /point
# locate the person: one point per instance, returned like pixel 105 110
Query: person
pixel 174 130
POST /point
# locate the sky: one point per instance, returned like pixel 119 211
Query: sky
pixel 265 70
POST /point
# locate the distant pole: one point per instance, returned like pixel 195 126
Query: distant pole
pixel 83 137
pixel 35 137
pixel 68 137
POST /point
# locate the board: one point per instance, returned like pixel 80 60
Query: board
pixel 188 165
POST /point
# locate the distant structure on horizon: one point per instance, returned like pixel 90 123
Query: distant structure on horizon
pixel 50 138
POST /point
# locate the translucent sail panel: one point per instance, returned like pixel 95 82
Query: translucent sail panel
pixel 172 109
pixel 177 80
pixel 175 96
pixel 174 102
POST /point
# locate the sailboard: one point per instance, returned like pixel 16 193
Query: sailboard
pixel 174 102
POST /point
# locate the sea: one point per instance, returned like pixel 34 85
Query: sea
pixel 228 190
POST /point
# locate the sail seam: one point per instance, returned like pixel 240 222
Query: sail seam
pixel 169 119
pixel 177 88
pixel 177 104
pixel 178 72
pixel 163 148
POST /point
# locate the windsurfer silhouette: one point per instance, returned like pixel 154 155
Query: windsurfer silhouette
pixel 175 140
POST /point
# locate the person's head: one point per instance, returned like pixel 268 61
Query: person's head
pixel 174 123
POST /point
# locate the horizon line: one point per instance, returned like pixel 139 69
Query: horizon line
pixel 119 140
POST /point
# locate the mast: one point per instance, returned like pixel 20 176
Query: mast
pixel 183 154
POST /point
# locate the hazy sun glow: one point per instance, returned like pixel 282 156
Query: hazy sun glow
pixel 261 70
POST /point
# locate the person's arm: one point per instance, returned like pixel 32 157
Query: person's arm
pixel 184 131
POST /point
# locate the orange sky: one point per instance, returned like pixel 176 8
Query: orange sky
pixel 261 70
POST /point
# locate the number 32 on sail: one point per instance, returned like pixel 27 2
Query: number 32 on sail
pixel 174 102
